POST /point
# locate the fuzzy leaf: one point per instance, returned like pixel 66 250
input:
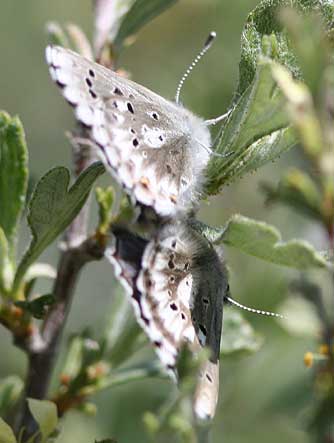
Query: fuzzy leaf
pixel 45 414
pixel 265 20
pixel 52 208
pixel 13 175
pixel 238 334
pixel 140 13
pixel 264 241
pixel 10 391
pixel 6 433
pixel 255 132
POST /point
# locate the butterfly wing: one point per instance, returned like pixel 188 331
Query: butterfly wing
pixel 178 295
pixel 145 141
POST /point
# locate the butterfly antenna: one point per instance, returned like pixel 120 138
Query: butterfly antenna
pixel 255 311
pixel 206 46
pixel 215 154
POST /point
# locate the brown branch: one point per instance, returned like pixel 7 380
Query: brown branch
pixel 41 360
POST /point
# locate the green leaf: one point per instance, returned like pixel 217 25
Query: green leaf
pixel 10 391
pixel 105 199
pixel 238 334
pixel 304 321
pixel 45 414
pixel 264 241
pixel 13 175
pixel 265 20
pixel 300 109
pixel 297 190
pixel 74 357
pixel 56 35
pixel 37 307
pixel 255 132
pixel 6 266
pixel 108 19
pixel 40 270
pixel 6 433
pixel 140 13
pixel 310 44
pixel 52 208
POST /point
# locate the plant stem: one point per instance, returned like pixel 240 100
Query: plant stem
pixel 77 251
pixel 41 361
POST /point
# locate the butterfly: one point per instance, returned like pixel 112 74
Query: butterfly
pixel 157 149
pixel 177 283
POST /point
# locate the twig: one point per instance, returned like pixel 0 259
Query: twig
pixel 41 360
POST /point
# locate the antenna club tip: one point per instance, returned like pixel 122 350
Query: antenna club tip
pixel 210 39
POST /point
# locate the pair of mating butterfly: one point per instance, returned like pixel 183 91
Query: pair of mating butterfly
pixel 158 151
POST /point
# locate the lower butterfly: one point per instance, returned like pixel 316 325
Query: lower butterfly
pixel 177 283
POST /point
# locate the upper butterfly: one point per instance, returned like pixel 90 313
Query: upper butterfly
pixel 155 148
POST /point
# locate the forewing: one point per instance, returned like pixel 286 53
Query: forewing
pixel 140 135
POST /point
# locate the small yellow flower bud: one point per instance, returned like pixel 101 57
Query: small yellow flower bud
pixel 308 359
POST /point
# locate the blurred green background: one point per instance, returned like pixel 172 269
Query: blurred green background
pixel 263 396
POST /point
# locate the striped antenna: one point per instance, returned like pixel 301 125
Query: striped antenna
pixel 207 46
pixel 255 311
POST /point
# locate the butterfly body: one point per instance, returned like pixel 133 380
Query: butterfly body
pixel 155 148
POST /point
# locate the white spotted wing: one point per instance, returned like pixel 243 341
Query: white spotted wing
pixel 177 283
pixel 155 148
